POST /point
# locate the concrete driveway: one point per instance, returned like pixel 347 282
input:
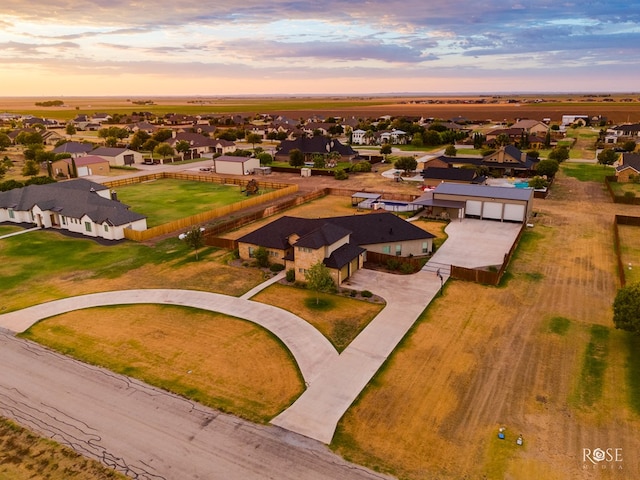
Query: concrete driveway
pixel 476 243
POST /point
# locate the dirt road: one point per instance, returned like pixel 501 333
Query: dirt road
pixel 146 432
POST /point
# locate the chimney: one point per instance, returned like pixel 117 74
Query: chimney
pixel 523 156
pixel 173 134
pixel 114 195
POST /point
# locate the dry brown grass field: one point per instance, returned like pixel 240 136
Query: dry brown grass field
pixel 226 363
pixel 484 357
pixel 630 252
pixel 340 320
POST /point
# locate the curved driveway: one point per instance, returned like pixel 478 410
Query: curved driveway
pixel 307 345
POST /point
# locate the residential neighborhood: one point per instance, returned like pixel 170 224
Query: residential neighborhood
pixel 386 259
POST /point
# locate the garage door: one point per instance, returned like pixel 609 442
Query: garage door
pixel 83 171
pixel 473 208
pixel 514 212
pixel 492 210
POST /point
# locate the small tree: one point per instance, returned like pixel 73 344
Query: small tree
pixel 70 129
pixel 408 164
pixel 629 146
pixel 182 147
pixel 547 167
pixel 265 158
pixel 261 255
pixel 559 153
pixel 385 150
pixel 451 151
pixel 194 237
pixel 296 158
pixel 607 156
pixel 164 150
pixel 74 168
pixel 31 168
pixel 626 308
pixel 319 279
pixel 5 141
pixel 254 138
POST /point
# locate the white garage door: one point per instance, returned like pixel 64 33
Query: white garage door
pixel 83 171
pixel 492 210
pixel 514 212
pixel 473 208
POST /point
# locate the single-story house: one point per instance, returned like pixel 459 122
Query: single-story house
pixel 341 243
pixel 486 202
pixel 437 175
pixel 315 145
pixel 510 161
pixel 230 165
pixel 532 127
pixel 118 157
pixel 77 205
pixel 87 165
pixel 223 146
pixel 629 167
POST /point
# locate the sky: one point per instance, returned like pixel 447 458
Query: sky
pixel 293 47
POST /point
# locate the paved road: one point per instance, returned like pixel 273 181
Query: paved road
pixel 147 433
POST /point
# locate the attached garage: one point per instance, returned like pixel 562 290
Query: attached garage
pixel 488 202
pixel 84 171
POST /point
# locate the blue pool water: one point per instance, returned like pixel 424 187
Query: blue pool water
pixel 521 184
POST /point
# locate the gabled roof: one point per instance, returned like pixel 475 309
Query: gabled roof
pixel 109 151
pixel 86 160
pixel 326 234
pixel 74 198
pixel 629 160
pixel 343 255
pixel 74 147
pixel 459 160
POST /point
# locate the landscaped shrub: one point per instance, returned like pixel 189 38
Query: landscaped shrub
pixel 393 264
pixel 291 275
pixel 406 268
pixel 261 255
pixel 276 267
pixel 340 174
pixel 629 195
pixel 366 294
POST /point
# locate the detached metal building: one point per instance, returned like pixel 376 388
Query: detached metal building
pixel 488 202
pixel 229 165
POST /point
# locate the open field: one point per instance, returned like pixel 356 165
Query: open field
pixel 226 363
pixel 537 355
pixel 630 252
pixel 24 456
pixel 444 107
pixel 165 200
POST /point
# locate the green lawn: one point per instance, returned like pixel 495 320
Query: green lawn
pixel 163 201
pixel 7 229
pixel 586 172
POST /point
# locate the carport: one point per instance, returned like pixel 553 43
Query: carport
pixel 486 202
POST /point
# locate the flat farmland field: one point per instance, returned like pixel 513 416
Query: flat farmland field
pixel 537 355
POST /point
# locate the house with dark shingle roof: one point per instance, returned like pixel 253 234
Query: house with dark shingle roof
pixel 314 146
pixel 77 205
pixel 75 149
pixel 341 243
pixel 117 156
pixel 629 167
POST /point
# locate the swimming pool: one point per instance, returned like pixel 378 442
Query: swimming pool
pixel 395 206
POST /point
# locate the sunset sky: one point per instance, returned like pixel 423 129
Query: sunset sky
pixel 203 47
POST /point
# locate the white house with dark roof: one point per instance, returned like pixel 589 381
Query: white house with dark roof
pixel 75 149
pixel 77 205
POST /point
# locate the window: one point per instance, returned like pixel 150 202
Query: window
pixel 251 252
pixel 305 249
pixel 87 226
pixel 386 249
pixel 106 227
pixel 425 247
pixel 398 250
pixel 11 213
pixel 63 220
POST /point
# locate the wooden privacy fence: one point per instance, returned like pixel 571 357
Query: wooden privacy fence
pixel 186 222
pixel 622 220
